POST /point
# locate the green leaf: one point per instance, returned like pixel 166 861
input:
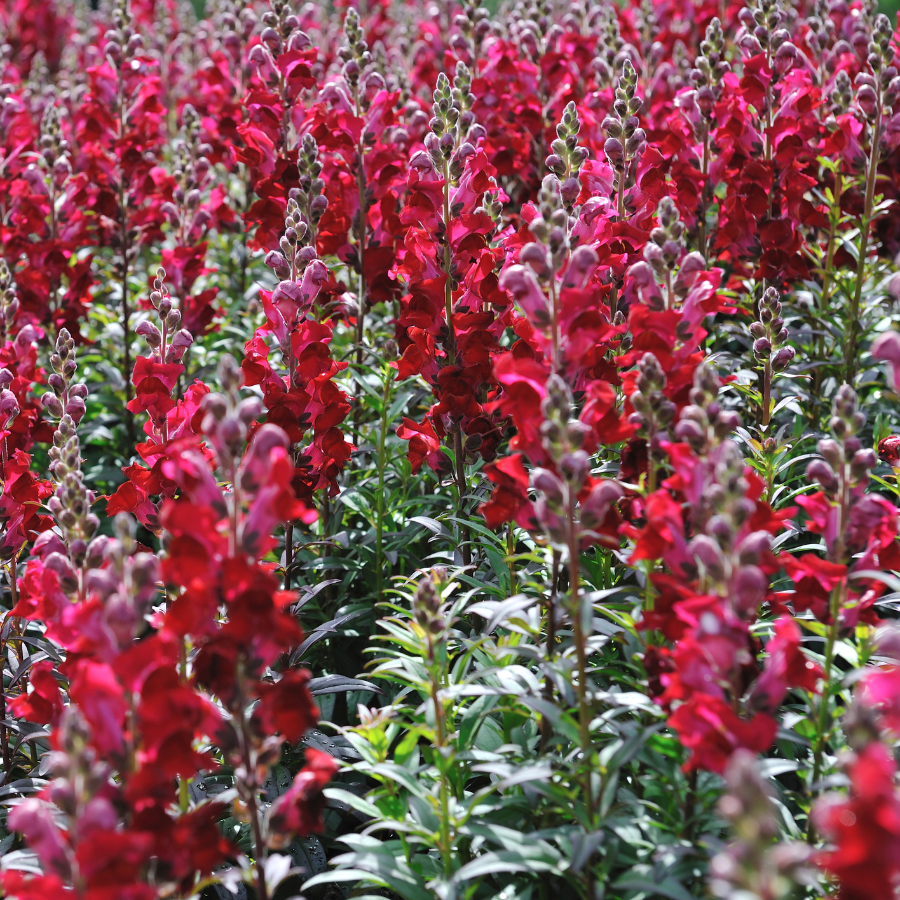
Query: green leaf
pixel 407 747
pixel 431 524
pixel 399 775
pixel 351 800
pixel 470 723
pixel 508 861
pixel 668 887
pixel 561 721
pixel 382 864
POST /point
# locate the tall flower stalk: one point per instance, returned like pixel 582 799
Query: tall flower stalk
pixel 357 62
pixel 625 139
pixel 877 91
pixel 843 475
pixel 770 337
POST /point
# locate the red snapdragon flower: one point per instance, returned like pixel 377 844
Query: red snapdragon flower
pixel 864 827
pixel 299 809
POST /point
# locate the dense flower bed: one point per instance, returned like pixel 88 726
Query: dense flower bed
pixel 449 450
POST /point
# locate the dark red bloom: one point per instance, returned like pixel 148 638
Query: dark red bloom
pixel 864 828
pixel 709 728
pixel 299 809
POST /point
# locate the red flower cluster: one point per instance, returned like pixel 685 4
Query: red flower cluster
pixel 865 827
pixel 133 708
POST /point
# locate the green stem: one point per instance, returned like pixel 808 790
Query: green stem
pixel 832 236
pixel 360 255
pixel 550 647
pixel 865 225
pixel 361 251
pixel 822 718
pixel 379 498
pixel 259 846
pixel 836 604
pixel 462 486
pixel 288 553
pixel 767 393
pixel 450 346
pixel 621 192
pixel 440 743
pixel 510 553
pixel 827 281
pixel 584 711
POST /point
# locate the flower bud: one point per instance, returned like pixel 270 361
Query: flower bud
pixel 574 467
pixel 783 358
pixel 231 433
pixel 75 408
pixel 549 485
pixel 598 502
pixel 819 470
pixel 473 443
pixel 707 552
pixel 831 451
pixel 749 588
pixel 863 461
pixel 569 190
pixel 181 340
pixel 614 151
pixel 249 410
pixel 52 404
pixel 582 263
pixel 150 333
